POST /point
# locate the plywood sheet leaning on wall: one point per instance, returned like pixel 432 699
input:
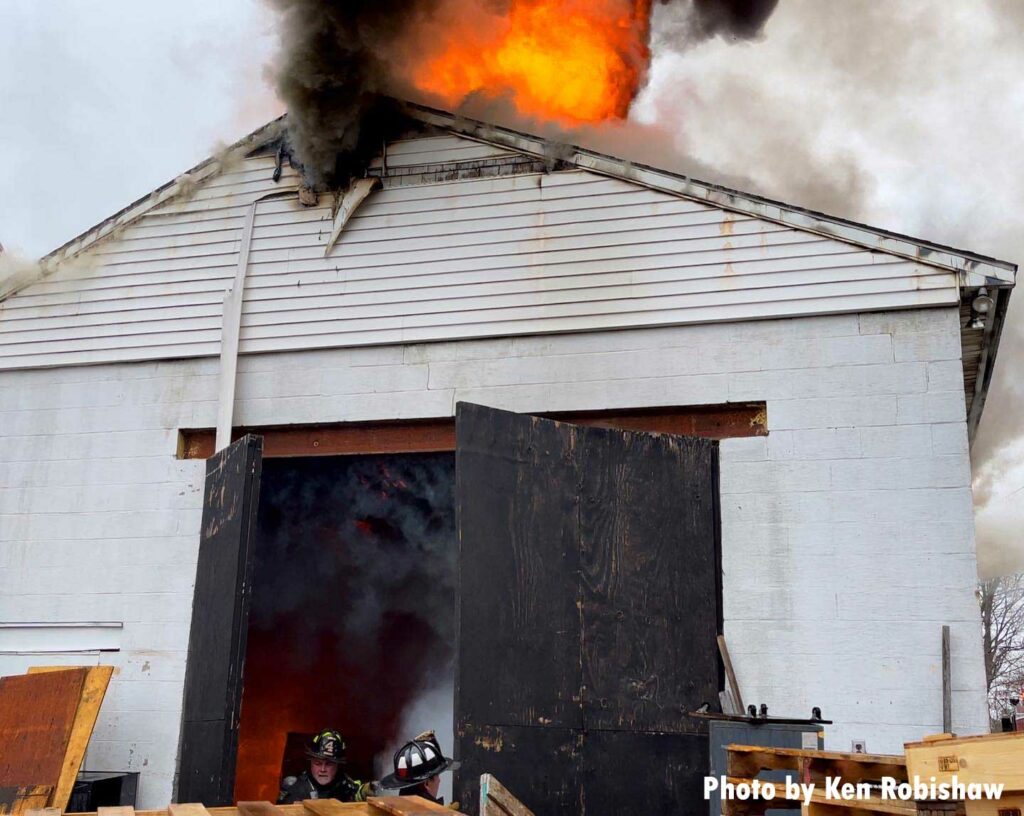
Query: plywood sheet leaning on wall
pixel 94 689
pixel 37 714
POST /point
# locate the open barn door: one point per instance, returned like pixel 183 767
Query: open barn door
pixel 589 604
pixel 220 618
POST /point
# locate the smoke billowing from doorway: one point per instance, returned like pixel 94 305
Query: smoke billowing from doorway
pixel 353 607
pixel 568 62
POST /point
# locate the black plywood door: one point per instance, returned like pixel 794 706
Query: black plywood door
pixel 220 618
pixel 589 604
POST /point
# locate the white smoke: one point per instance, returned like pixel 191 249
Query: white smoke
pixel 434 710
pixel 901 115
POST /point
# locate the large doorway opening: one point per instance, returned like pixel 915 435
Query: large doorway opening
pixel 352 617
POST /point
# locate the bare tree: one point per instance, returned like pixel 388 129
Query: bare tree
pixel 1002 616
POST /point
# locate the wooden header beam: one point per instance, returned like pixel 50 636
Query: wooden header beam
pixel 438 435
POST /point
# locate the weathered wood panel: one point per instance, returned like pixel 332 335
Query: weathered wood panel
pixel 625 528
pixel 37 713
pixel 216 650
pixel 635 772
pixel 94 689
pixel 650 569
pixel 519 635
pixel 541 766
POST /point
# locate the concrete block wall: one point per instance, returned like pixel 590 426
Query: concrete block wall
pixel 847 532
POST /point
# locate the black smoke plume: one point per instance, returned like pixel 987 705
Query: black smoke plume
pixel 332 77
pixel 336 71
pixel 732 19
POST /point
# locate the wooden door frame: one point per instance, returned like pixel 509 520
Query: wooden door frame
pixel 437 435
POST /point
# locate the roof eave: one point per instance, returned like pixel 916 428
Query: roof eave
pixel 975 270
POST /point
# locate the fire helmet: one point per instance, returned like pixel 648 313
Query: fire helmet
pixel 417 761
pixel 329 745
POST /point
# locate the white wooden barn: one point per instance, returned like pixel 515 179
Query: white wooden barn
pixel 478 269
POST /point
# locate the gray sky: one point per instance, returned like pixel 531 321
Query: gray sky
pixel 905 114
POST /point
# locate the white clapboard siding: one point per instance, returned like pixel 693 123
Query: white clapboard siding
pixel 437 150
pixel 566 251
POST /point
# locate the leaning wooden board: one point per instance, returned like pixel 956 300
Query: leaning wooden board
pixel 94 689
pixel 37 714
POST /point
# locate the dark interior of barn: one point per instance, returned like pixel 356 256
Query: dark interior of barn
pixel 352 616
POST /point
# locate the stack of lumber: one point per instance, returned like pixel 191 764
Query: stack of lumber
pixel 989 758
pixel 46 719
pixel 376 806
pixel 746 762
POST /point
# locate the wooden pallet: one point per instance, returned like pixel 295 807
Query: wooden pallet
pixel 745 762
pixel 821 806
pixel 376 806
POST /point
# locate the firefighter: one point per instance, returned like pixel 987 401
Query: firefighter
pixel 418 768
pixel 325 778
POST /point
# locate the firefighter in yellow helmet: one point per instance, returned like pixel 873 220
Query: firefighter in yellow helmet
pixel 325 778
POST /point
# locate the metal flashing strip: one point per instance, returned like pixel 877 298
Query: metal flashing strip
pixel 32 637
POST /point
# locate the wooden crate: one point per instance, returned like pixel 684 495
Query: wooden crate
pixel 993 758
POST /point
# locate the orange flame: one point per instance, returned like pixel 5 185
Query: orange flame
pixel 569 61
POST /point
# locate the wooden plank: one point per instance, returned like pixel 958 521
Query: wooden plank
pixel 734 420
pixel 327 807
pixel 118 810
pixel 947 686
pixel 216 649
pixel 406 805
pixel 821 806
pixel 37 713
pixel 94 689
pixel 187 809
pixel 15 800
pixel 730 674
pixel 497 800
pixel 46 811
pixel 262 808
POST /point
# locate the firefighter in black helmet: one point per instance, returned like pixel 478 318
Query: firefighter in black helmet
pixel 325 778
pixel 418 768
